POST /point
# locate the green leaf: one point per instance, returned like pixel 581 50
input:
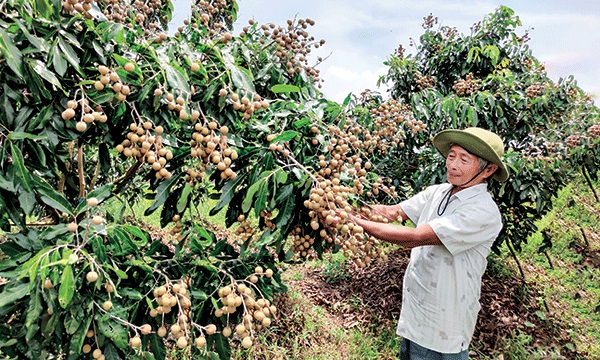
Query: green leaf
pixel 27 202
pixel 285 136
pixel 248 200
pixel 286 212
pixel 184 198
pixel 131 293
pixel 176 79
pixel 70 54
pixel 162 194
pixel 20 170
pixel 113 330
pixel 67 287
pixel 227 193
pixel 284 88
pixel 44 8
pixel 79 337
pixel 34 311
pixel 20 135
pixel 13 292
pixel 52 197
pixel 58 60
pixel 42 70
pixel 241 77
pixel 11 53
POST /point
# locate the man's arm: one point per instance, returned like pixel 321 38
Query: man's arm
pixel 397 234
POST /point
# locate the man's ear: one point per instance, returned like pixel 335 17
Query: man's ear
pixel 490 170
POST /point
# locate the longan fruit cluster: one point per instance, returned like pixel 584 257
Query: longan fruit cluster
pixel 594 131
pixel 246 105
pixel 211 147
pixel 176 229
pixel 171 295
pixel 145 14
pixel 389 117
pixel 213 15
pixel 293 44
pixel 535 90
pixel 467 86
pixel 144 141
pixel 245 229
pixel 573 140
pixel 256 313
pixel 79 6
pixel 88 114
pixel 109 78
pixel 424 81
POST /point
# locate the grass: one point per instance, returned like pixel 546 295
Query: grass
pixel 570 288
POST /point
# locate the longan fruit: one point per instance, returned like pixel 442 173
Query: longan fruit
pixel 211 329
pixel 135 341
pixel 48 284
pixel 72 227
pixel 182 342
pixel 200 341
pixel 91 276
pixel 162 331
pixel 92 202
pixel 68 114
pixel 81 126
pixel 129 67
pixel 247 342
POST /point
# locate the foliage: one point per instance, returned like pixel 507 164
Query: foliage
pixel 489 78
pixel 102 107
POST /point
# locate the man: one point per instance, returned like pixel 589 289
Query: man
pixel 455 226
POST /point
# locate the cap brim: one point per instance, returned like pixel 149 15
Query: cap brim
pixel 473 144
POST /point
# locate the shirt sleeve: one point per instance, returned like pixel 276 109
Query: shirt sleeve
pixel 468 226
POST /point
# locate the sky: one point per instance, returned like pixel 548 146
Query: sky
pixel 360 35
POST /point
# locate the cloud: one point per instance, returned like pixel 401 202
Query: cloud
pixel 341 80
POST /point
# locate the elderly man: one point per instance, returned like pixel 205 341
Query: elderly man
pixel 456 224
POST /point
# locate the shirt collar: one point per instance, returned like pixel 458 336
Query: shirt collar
pixel 471 191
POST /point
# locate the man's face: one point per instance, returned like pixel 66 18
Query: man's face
pixel 461 166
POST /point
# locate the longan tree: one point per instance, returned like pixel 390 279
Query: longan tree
pixel 490 78
pixel 103 111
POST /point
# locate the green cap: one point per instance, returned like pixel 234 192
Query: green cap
pixel 477 141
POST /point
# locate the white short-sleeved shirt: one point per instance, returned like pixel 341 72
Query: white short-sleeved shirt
pixel 442 284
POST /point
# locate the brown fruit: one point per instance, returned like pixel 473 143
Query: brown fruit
pixel 81 126
pixel 97 353
pixel 200 341
pixel 97 220
pixel 91 276
pixel 129 67
pixel 145 329
pixel 211 329
pixel 247 342
pixel 48 284
pixel 92 202
pixel 162 331
pixel 182 342
pixel 195 67
pixel 68 114
pixel 135 341
pixel 107 305
pixel 72 227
